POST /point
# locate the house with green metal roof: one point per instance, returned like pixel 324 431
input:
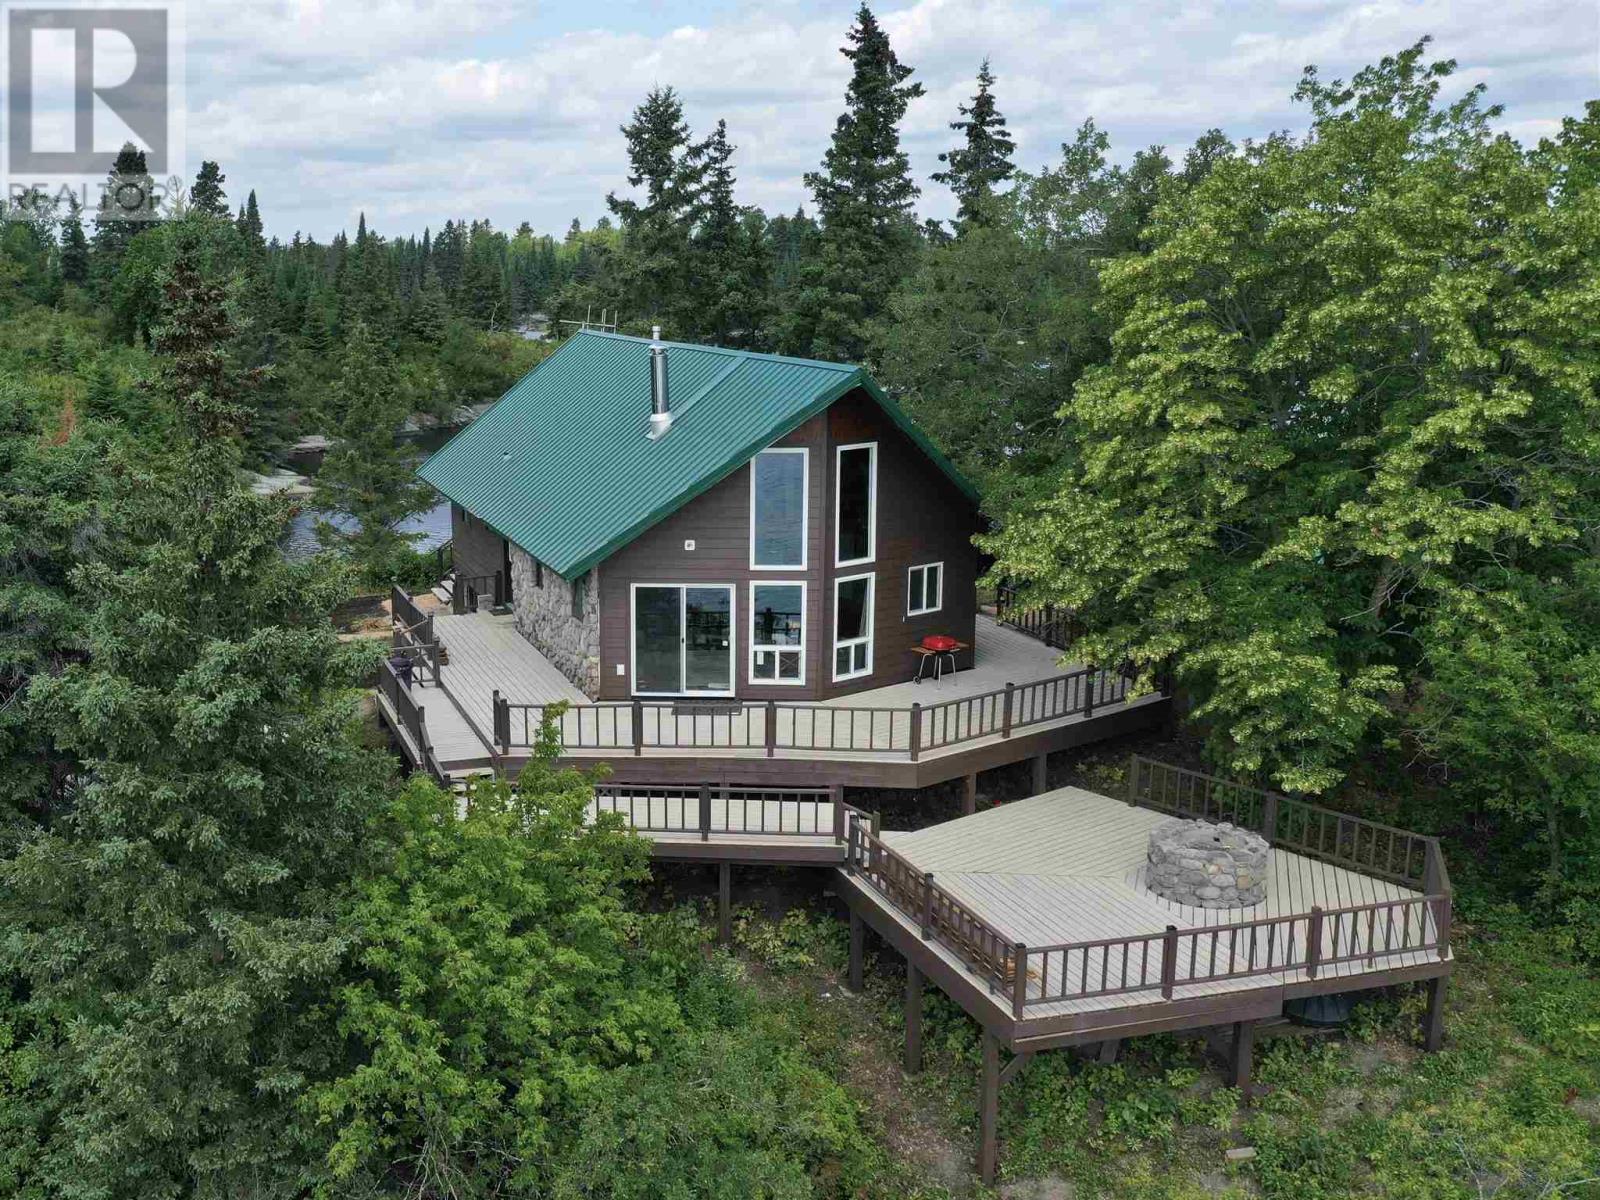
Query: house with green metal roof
pixel 675 520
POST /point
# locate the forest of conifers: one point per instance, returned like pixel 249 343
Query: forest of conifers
pixel 1311 422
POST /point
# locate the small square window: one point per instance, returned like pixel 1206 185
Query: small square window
pixel 924 589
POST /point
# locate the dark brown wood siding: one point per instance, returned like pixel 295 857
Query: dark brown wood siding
pixel 476 548
pixel 922 517
pixel 718 522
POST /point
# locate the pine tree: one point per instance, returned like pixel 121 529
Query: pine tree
pixel 74 247
pixel 182 922
pixel 249 222
pixel 429 313
pixel 206 196
pixel 368 481
pixel 727 289
pixel 984 158
pixel 649 273
pixel 123 212
pixel 864 197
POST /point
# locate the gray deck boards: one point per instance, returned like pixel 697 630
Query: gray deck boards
pixel 486 654
pixel 1067 867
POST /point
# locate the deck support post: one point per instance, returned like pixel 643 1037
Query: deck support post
pixel 854 980
pixel 1433 1023
pixel 1240 1053
pixel 969 795
pixel 988 1108
pixel 1040 761
pixel 913 1019
pixel 1106 1052
pixel 725 903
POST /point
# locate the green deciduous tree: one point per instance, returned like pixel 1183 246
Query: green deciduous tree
pixel 1344 465
pixel 498 976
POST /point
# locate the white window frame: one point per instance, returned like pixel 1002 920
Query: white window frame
pixel 938 602
pixel 805 510
pixel 683 633
pixel 868 639
pixel 872 503
pixel 805 630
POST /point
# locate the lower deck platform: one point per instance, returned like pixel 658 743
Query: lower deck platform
pixel 1037 913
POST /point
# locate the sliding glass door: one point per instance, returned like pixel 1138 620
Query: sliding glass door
pixel 682 639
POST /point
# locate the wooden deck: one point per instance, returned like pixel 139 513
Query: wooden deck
pixel 901 735
pixel 1063 874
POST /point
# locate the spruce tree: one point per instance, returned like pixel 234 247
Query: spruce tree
pixel 864 196
pixel 727 288
pixel 206 196
pixel 180 921
pixel 123 212
pixel 983 160
pixel 74 247
pixel 368 481
pixel 249 222
pixel 649 273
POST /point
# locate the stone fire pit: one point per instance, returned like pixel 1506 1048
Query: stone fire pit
pixel 1208 865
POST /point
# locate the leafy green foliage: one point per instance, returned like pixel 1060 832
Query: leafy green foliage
pixel 170 930
pixel 1343 454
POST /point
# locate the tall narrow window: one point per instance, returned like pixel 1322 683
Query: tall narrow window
pixel 924 589
pixel 856 503
pixel 778 510
pixel 852 626
pixel 777 633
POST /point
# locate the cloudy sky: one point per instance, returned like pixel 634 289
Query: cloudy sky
pixel 419 110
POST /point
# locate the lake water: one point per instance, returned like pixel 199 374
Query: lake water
pixel 301 541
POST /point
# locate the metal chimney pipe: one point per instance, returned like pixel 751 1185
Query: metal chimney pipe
pixel 660 401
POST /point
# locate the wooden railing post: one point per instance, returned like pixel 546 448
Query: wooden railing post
pixel 1314 941
pixel 705 812
pixel 1019 979
pixel 772 727
pixel 1088 692
pixel 1269 816
pixel 916 728
pixel 927 905
pixel 638 728
pixel 1169 961
pixel 838 811
pixel 1441 918
pixel 1011 692
pixel 499 589
pixel 852 847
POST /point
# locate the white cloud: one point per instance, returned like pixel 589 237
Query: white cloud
pixel 417 110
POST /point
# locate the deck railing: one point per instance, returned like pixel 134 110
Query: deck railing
pixel 711 810
pixel 773 726
pixel 938 914
pixel 1370 847
pixel 1051 625
pixel 1307 943
pixel 468 591
pixel 411 717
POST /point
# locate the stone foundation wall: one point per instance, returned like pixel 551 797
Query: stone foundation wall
pixel 543 615
pixel 1207 865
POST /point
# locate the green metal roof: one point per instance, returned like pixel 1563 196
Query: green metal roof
pixel 561 465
